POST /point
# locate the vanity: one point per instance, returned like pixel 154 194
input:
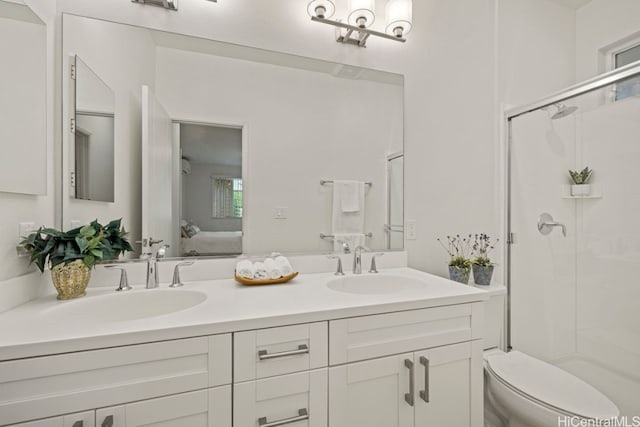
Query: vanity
pixel 399 348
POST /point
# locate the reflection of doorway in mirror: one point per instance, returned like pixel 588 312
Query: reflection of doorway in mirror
pixel 210 197
pixel 395 201
pixel 82 165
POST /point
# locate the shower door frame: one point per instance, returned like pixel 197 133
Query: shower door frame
pixel 587 86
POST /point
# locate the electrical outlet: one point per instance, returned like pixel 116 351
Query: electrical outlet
pixel 280 212
pixel 24 229
pixel 412 230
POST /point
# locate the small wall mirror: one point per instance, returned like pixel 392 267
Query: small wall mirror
pixel 23 127
pixel 93 129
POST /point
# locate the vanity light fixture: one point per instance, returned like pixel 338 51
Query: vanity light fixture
pixel 167 4
pixel 356 30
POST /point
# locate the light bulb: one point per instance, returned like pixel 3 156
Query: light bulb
pixel 399 14
pixel 362 13
pixel 321 8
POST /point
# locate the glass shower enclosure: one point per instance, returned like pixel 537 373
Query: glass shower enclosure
pixel 573 254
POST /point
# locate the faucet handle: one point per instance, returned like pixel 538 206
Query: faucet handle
pixel 176 282
pixel 374 268
pixel 124 282
pixel 339 271
pixel 162 251
pixel 345 246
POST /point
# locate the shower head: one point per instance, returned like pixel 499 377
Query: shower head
pixel 563 111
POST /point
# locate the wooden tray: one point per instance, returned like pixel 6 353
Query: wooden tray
pixel 249 282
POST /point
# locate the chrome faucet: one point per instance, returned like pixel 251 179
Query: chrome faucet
pixel 152 263
pixel 357 259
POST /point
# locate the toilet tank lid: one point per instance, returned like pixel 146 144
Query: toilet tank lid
pixel 551 385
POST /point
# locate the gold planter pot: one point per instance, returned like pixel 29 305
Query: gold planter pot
pixel 71 279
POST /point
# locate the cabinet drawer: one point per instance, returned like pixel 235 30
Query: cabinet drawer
pixel 51 385
pixel 297 399
pixel 366 337
pixel 275 351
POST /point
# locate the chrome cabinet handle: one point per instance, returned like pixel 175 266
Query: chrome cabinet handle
pixel 78 424
pixel 303 414
pixel 424 394
pixel 409 397
pixel 108 421
pixel 264 355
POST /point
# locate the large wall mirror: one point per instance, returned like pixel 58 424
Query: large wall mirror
pixel 223 149
pixel 23 128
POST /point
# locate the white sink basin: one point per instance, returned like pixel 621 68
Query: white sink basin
pixel 131 305
pixel 376 284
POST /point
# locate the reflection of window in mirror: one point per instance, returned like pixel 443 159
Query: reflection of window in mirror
pixel 226 197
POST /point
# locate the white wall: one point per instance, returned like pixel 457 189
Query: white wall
pixel 599 25
pixel 124 61
pixel 197 197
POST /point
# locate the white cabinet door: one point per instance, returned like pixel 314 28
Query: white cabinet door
pixel 449 386
pixel 203 408
pixel 299 400
pixel 48 422
pixel 372 393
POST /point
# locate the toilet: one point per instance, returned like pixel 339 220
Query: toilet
pixel 522 391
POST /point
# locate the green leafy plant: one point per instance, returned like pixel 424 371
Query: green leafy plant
pixel 460 262
pixel 483 246
pixel 581 177
pixel 90 243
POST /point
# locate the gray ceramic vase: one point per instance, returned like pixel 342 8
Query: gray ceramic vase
pixel 482 275
pixel 459 274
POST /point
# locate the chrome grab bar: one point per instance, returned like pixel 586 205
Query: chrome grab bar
pixel 264 355
pixel 409 397
pixel 424 394
pixel 303 414
pixel 546 225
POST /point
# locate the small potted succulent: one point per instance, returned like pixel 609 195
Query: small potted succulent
pixel 580 182
pixel 481 264
pixel 71 254
pixel 460 251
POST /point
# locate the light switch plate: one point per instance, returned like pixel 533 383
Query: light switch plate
pixel 412 230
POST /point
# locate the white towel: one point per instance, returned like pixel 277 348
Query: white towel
pixel 347 222
pixel 284 265
pixel 272 268
pixel 352 239
pixel 245 269
pixel 351 195
pixel 261 271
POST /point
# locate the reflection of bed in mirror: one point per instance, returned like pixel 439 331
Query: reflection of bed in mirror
pixel 212 243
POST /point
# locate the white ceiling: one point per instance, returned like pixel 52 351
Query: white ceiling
pixel 211 144
pixel 574 4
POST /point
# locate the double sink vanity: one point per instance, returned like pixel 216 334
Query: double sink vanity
pixel 397 348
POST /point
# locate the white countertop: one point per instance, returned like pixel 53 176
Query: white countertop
pixel 32 330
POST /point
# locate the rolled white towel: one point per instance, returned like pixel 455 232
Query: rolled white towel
pixel 272 268
pixel 245 269
pixel 260 271
pixel 284 265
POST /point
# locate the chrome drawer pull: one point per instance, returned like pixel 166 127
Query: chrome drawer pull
pixel 409 397
pixel 302 415
pixel 424 394
pixel 302 349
